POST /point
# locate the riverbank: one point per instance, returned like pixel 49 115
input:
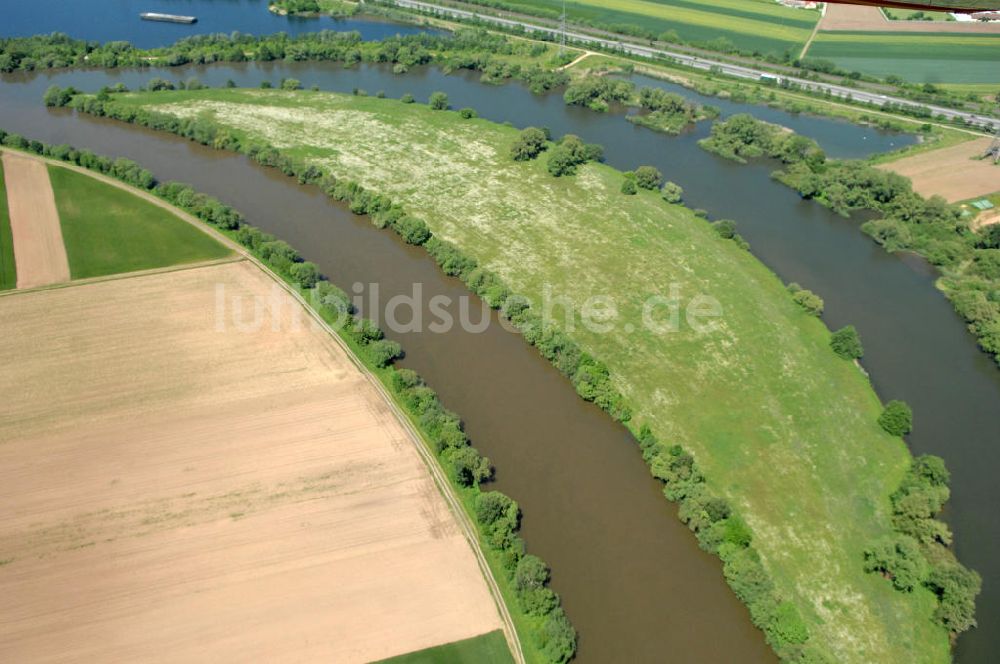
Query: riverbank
pixel 660 375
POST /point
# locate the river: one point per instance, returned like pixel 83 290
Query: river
pixel 633 581
pixel 118 20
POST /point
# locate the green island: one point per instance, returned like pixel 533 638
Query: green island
pixel 798 485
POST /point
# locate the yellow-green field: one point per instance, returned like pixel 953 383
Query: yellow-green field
pixel 751 25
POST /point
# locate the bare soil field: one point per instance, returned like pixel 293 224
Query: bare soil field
pixel 178 486
pixel 34 223
pixel 951 172
pixel 863 18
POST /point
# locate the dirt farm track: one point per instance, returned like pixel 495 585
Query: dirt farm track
pixel 181 487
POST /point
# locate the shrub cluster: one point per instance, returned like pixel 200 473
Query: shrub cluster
pixel 570 153
pixel 531 142
pixel 918 554
pixel 810 302
pixel 672 193
pixel 896 419
pixel 846 343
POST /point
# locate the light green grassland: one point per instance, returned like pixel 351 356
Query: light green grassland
pixel 780 425
pixel 8 273
pixel 108 230
pixel 485 649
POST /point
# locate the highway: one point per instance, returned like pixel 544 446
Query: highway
pixel 737 71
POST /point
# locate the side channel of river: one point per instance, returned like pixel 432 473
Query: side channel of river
pixel 624 567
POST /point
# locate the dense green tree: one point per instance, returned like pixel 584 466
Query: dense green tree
pixel 557 638
pixel 570 153
pixel 956 588
pixel 897 418
pixel 648 177
pixel 305 274
pixel 672 193
pixel 468 113
pixel 383 352
pixel 899 559
pixel 726 228
pixel 629 187
pixel 469 468
pixel 561 162
pixel 56 96
pixel 990 237
pixel 438 101
pixel 529 144
pixel 846 343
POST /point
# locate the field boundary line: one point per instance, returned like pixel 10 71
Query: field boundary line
pixel 416 438
pixel 812 36
pixel 137 274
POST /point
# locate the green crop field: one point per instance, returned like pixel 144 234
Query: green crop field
pixel 8 273
pixel 108 230
pixel 486 649
pixel 914 56
pixel 780 425
pixel 752 25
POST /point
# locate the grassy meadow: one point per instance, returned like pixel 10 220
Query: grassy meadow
pixel 108 230
pixel 915 56
pixel 488 648
pixel 781 426
pixel 8 272
pixel 752 25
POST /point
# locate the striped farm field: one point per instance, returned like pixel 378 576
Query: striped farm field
pixel 753 25
pixel 8 274
pixel 918 57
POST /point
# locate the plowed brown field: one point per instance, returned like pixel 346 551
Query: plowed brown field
pixel 953 172
pixel 34 222
pixel 178 488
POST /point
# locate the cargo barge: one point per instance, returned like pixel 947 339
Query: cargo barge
pixel 167 18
